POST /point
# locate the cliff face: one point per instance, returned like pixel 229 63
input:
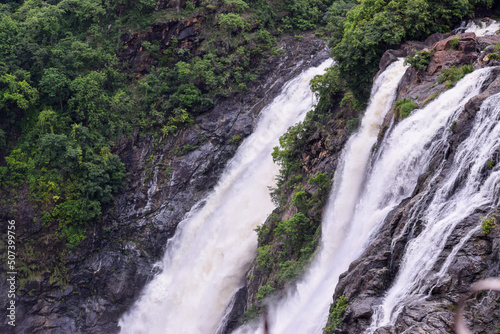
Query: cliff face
pixel 369 278
pixel 166 177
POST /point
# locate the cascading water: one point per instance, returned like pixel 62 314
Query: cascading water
pixel 206 260
pixel 465 189
pixel 305 310
pixel 364 193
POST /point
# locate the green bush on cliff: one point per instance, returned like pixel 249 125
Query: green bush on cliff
pixel 337 310
pixel 453 74
pixel 403 108
pixel 487 225
pixel 420 60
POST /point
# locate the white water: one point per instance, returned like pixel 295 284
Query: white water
pixel 465 190
pixel 214 245
pixel 344 233
pixel 484 28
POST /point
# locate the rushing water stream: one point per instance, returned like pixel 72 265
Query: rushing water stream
pixel 368 186
pixel 206 260
pixel 306 309
pixel 464 190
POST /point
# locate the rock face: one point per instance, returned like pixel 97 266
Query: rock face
pixel 166 177
pixel 371 276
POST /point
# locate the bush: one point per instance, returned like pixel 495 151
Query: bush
pixel 453 74
pixel 264 291
pixel 293 232
pixel 420 60
pixel 487 225
pixel 493 56
pixel 337 310
pixel 403 108
pixel 455 42
pixel 264 259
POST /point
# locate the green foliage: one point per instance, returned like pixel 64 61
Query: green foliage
pixel 352 125
pixel 337 310
pixel 429 99
pixel 67 91
pixel 493 56
pixel 293 232
pixel 455 42
pixel 251 313
pixel 16 94
pixel 304 14
pixel 322 181
pixel 264 291
pixel 420 60
pixel 327 87
pixel 237 6
pixel 453 74
pixel 264 259
pixel 403 108
pixel 235 140
pixel 496 48
pixel 487 225
pixel 231 22
pixel 286 153
pixel 372 27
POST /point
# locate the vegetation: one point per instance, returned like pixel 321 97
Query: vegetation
pixel 493 56
pixel 420 60
pixel 453 74
pixel 429 99
pixel 337 310
pixel 68 92
pixel 455 42
pixel 372 27
pixel 487 225
pixel 403 108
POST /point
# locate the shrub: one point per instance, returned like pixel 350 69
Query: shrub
pixel 455 42
pixel 264 291
pixel 264 259
pixel 493 56
pixel 403 108
pixel 420 60
pixel 453 74
pixel 496 48
pixel 352 125
pixel 487 225
pixel 337 310
pixel 429 99
pixel 293 232
pixel 289 270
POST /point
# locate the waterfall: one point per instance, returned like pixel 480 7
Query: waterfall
pixel 214 245
pixel 465 189
pixel 305 309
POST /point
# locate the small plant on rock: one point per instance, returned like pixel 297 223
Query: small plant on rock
pixel 493 56
pixel 455 43
pixel 420 60
pixel 403 108
pixel 487 225
pixel 336 312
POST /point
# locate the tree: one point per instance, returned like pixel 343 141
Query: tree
pixel 231 22
pixel 55 84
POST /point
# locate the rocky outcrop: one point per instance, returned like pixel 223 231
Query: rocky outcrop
pixel 166 177
pixel 369 278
